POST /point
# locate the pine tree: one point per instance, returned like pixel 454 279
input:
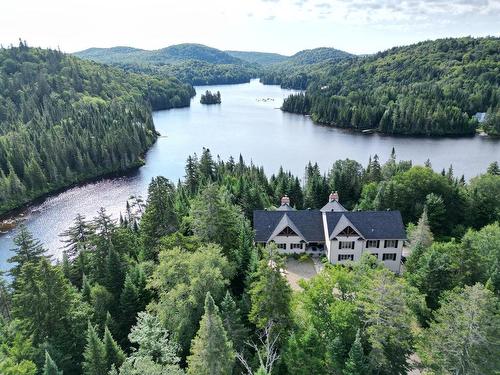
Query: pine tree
pixel 113 354
pixel 94 355
pixel 86 289
pixel 159 218
pixel 211 351
pixel 494 169
pixel 76 236
pixel 50 367
pixel 231 318
pixel 357 362
pixel 27 250
pixel 270 294
pixel 128 308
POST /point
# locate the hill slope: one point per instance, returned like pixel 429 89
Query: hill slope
pixel 261 58
pixel 192 63
pixel 297 71
pixel 429 88
pixel 64 120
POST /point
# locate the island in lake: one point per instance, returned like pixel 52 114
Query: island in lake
pixel 209 98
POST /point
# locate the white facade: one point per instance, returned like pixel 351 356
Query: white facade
pixel 390 255
pixel 342 244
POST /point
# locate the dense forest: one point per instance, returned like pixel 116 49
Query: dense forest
pixel 299 70
pixel 210 98
pixel 64 120
pixel 430 88
pixel 176 285
pixel 195 64
pixel 261 58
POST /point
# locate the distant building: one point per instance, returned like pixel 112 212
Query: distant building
pixel 334 231
pixel 480 117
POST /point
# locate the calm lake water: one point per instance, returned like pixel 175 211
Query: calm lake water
pixel 248 122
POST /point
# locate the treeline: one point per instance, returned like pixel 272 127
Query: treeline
pixel 430 88
pixel 64 120
pixel 195 64
pixel 177 286
pixel 209 98
pixel 297 71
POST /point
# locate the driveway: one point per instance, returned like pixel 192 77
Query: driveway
pixel 296 271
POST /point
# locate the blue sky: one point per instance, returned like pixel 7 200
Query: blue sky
pixel 283 26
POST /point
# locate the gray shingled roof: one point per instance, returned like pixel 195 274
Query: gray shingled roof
pixel 371 224
pixel 308 222
pixel 333 206
pixel 285 207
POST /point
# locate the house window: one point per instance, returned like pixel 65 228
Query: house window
pixel 346 257
pixel 391 243
pixel 346 244
pixel 281 246
pixel 372 244
pixel 375 255
pixel 389 256
pixel 295 246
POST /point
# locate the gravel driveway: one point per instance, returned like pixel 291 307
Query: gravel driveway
pixel 296 271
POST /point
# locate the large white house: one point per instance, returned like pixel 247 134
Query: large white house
pixel 339 234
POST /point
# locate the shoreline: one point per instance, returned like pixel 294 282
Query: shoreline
pixel 10 219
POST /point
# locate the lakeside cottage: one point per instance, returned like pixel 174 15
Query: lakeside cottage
pixel 333 231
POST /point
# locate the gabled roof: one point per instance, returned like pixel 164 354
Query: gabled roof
pixel 308 222
pixel 285 207
pixel 342 223
pixel 334 206
pixel 284 223
pixel 371 224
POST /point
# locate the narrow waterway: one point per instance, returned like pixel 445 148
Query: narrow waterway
pixel 248 122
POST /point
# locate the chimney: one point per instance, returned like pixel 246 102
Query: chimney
pixel 333 197
pixel 285 200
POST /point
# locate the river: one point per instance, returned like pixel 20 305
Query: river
pixel 248 122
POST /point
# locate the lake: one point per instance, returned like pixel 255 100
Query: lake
pixel 248 122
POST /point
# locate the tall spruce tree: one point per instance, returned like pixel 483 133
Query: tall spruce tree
pixel 77 236
pixel 27 250
pixel 94 355
pixel 231 319
pixel 50 367
pixel 113 354
pixel 270 293
pixel 159 218
pixel 211 351
pixel 357 363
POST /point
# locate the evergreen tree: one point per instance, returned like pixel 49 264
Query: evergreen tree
pixel 50 367
pixel 27 250
pixel 94 355
pixel 494 169
pixel 357 363
pixel 76 236
pixel 231 319
pixel 113 354
pixel 159 218
pixel 129 299
pixel 270 294
pixel 211 351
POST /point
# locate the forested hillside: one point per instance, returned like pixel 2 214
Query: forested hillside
pixel 430 88
pixel 176 286
pixel 192 63
pixel 261 58
pixel 64 120
pixel 298 70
